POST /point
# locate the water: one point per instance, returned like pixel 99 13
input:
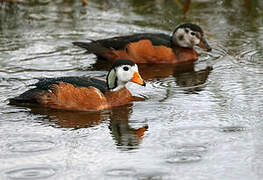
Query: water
pixel 198 121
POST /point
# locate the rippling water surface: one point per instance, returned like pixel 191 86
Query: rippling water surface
pixel 198 121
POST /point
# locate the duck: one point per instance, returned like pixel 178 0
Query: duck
pixel 84 93
pixel 151 48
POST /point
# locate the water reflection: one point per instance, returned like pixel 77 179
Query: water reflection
pixel 71 119
pixel 184 79
pixel 193 81
pixel 126 137
pixel 152 71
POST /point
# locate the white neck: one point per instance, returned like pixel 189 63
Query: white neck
pixel 119 86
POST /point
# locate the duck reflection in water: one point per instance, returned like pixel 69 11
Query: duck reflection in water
pixel 191 80
pixel 125 136
pixel 71 119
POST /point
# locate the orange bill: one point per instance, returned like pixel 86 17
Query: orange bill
pixel 137 79
pixel 204 45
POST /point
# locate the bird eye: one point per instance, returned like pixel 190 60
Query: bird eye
pixel 193 33
pixel 125 68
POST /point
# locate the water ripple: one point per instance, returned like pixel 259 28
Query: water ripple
pixel 17 145
pixel 121 172
pixel 232 129
pixel 183 158
pixel 186 153
pixel 31 172
pixel 250 60
pixel 191 149
pixel 185 81
pixel 30 146
pixel 154 174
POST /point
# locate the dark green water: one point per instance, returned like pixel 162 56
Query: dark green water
pixel 198 122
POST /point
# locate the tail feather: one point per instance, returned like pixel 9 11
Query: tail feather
pixel 97 49
pixel 84 45
pixel 30 96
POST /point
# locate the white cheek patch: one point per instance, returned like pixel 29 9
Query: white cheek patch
pixel 196 41
pixel 188 40
pixel 123 75
pixel 182 38
pixel 180 32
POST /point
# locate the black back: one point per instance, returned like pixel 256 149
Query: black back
pixel 118 43
pixel 31 96
pixel 45 83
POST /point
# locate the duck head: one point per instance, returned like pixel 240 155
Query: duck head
pixel 189 35
pixel 121 72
